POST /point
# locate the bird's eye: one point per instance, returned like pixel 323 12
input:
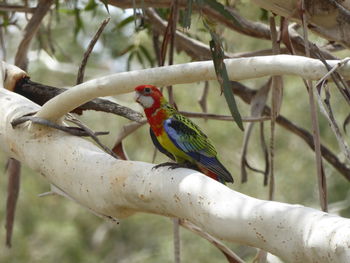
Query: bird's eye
pixel 147 90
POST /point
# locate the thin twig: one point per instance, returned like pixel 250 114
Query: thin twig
pixel 285 35
pixel 173 18
pixel 177 240
pixel 253 168
pixel 257 106
pixel 346 122
pixel 337 78
pixel 204 98
pixel 30 30
pixel 199 115
pixel 274 109
pixel 49 33
pixel 81 71
pixel 71 130
pixel 16 8
pixel 90 133
pixel 345 12
pixel 219 117
pixel 165 42
pixel 13 169
pixel 322 185
pixel 331 70
pixel 21 61
pixel 328 113
pixel 276 85
pixel 244 162
pixel 173 24
pixel 2 44
pixel 192 47
pixel 266 154
pixel 230 255
pixel 155 42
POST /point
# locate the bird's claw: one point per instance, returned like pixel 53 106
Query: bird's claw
pixel 169 164
pixel 172 165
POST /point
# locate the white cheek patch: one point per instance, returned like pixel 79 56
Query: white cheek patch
pixel 146 101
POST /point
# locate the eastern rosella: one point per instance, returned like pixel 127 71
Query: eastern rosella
pixel 177 136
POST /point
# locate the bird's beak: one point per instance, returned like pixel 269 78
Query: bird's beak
pixel 137 96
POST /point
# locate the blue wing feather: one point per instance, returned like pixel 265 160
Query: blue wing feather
pixel 180 135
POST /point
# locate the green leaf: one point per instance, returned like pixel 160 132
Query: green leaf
pixel 105 2
pixel 57 8
pixel 222 76
pixel 125 22
pixel 147 55
pixel 163 13
pixel 264 15
pixel 126 50
pixel 140 58
pixel 186 22
pixel 221 9
pixel 91 5
pixel 128 63
pixel 5 20
pixel 66 11
pixel 79 24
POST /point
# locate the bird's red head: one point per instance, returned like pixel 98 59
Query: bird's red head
pixel 148 96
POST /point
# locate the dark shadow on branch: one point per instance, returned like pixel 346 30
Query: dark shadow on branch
pixel 40 94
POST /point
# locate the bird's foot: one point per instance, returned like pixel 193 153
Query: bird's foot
pixel 172 165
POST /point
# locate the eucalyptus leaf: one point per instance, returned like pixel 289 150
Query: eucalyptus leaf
pixel 140 58
pixel 222 76
pixel 222 10
pixel 79 24
pixel 147 55
pixel 186 22
pixel 105 2
pixel 128 63
pixel 91 5
pixel 125 22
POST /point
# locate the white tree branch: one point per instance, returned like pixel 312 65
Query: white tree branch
pixel 116 189
pixel 238 69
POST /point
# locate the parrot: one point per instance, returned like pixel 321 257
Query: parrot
pixel 178 137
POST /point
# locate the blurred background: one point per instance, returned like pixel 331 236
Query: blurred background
pixel 53 229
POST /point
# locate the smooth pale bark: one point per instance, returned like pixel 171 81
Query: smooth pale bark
pixel 238 69
pixel 116 189
pixel 325 18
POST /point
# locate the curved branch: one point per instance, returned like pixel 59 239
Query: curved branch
pixel 16 8
pixel 238 69
pixel 116 189
pixel 194 48
pixel 40 94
